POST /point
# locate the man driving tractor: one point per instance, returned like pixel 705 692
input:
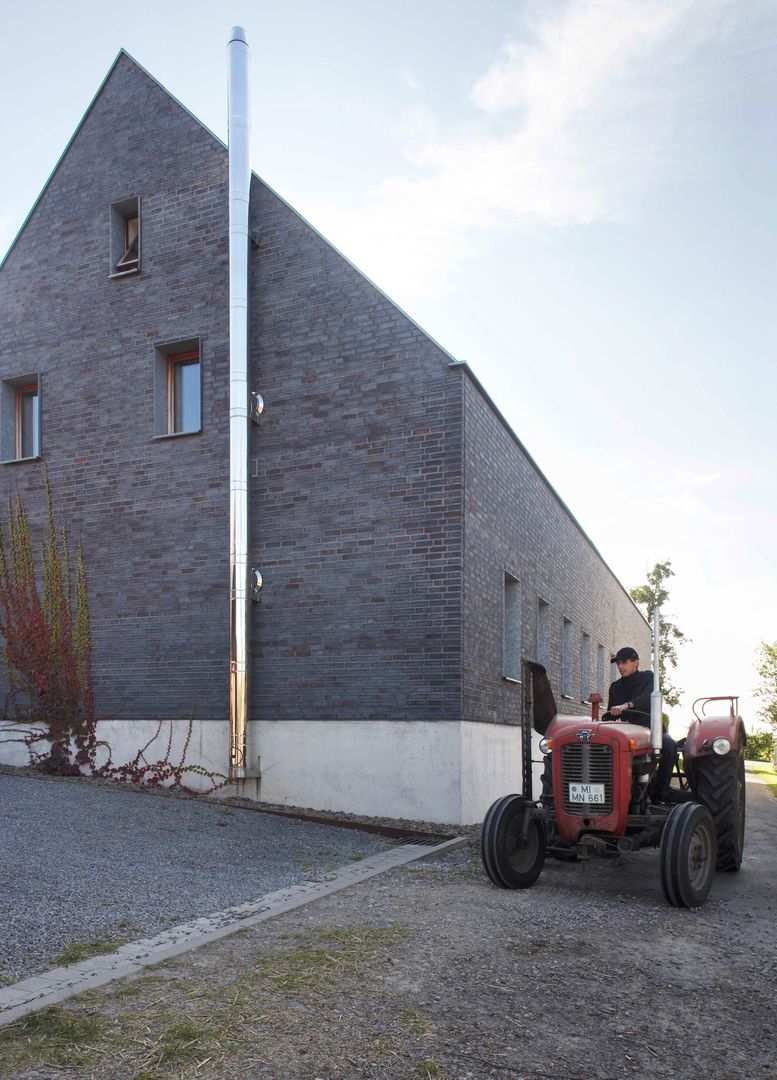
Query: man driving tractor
pixel 629 700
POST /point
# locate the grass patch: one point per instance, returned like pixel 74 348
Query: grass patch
pixel 428 1068
pixel 416 1023
pixel 765 771
pixel 182 1043
pixel 54 1036
pixel 311 966
pixel 83 950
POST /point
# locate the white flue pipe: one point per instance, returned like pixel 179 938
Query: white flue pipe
pixel 239 601
pixel 656 701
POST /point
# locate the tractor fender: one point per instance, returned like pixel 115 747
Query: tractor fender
pixel 702 734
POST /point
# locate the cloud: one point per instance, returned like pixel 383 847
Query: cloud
pixel 565 126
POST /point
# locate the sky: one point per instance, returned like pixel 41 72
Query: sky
pixel 577 197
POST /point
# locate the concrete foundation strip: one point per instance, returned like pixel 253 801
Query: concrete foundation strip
pixel 56 985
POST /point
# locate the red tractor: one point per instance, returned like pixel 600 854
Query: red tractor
pixel 596 796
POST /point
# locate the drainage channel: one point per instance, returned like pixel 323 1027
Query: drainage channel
pixel 393 832
pixel 40 991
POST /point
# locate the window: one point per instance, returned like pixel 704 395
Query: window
pixel 543 633
pixel 566 659
pixel 600 669
pixel 511 628
pixel 585 667
pixel 177 389
pixel 125 237
pixel 183 393
pixel 20 418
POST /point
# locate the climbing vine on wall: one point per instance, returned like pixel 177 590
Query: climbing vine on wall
pixel 47 642
pixel 48 657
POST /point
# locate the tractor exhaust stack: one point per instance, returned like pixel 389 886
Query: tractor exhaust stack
pixel 656 702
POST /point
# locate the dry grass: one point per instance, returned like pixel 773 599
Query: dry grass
pixel 306 1000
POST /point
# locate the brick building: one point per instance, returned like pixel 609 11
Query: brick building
pixel 411 550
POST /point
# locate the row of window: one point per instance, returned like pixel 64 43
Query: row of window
pixel 177 402
pixel 590 681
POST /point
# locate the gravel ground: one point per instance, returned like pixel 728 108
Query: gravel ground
pixel 429 972
pixel 88 861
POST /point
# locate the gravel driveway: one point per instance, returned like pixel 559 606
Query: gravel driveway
pixel 429 972
pixel 88 861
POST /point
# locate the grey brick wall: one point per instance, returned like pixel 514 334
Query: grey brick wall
pixel 515 522
pixel 356 485
pixel 360 521
pixel 356 493
pixel 152 514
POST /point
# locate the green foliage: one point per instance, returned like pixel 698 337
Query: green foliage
pixel 760 746
pixel 77 951
pixel 766 667
pixel 654 593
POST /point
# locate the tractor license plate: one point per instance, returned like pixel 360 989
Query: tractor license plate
pixel 593 794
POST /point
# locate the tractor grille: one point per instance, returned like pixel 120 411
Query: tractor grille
pixel 589 763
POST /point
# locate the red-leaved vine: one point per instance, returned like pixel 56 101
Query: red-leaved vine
pixel 48 657
pixel 47 643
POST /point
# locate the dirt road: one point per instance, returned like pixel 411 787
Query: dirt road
pixel 431 972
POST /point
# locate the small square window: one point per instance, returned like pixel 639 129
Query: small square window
pixel 125 237
pixel 177 389
pixel 20 418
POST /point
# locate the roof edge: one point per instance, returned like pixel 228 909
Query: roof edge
pixel 80 124
pixel 506 425
pixel 453 362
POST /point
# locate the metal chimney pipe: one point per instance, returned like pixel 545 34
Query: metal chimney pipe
pixel 656 701
pixel 239 188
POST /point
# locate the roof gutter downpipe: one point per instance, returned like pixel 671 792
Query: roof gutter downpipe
pixel 239 600
pixel 656 701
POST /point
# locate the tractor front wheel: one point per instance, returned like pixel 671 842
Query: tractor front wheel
pixel 512 843
pixel 719 783
pixel 688 850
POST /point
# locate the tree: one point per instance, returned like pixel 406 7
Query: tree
pixel 767 690
pixel 760 746
pixel 652 594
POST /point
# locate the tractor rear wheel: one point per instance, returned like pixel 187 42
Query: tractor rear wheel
pixel 688 849
pixel 512 847
pixel 719 783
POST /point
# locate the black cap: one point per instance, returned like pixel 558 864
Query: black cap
pixel 625 654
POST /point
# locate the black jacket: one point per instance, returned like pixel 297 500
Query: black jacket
pixel 637 689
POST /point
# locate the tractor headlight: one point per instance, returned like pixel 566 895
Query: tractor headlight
pixel 545 745
pixel 721 745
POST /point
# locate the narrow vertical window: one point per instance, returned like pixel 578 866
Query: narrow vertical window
pixel 27 424
pixel 178 388
pixel 183 393
pixel 600 669
pixel 20 418
pixel 511 628
pixel 566 658
pixel 543 632
pixel 129 258
pixel 585 667
pixel 125 237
